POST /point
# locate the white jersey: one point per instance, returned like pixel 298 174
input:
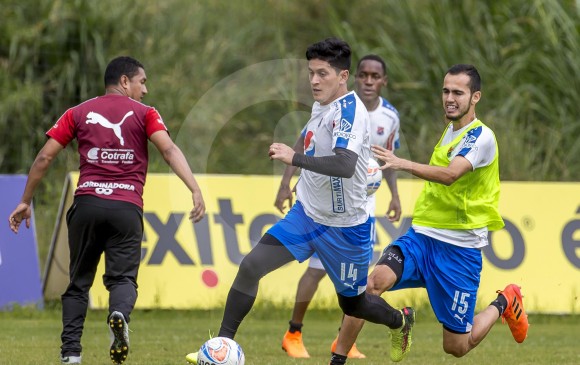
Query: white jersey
pixel 384 132
pixel 330 200
pixel 385 125
pixel 480 152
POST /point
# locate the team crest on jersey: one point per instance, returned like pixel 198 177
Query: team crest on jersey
pixel 380 131
pixel 450 151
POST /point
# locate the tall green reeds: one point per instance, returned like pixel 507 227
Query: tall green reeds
pixel 52 55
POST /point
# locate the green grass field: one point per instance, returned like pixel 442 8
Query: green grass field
pixel 30 337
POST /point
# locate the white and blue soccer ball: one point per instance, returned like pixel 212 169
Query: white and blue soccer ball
pixel 374 176
pixel 221 351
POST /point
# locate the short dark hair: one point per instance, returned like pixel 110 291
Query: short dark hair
pixel 373 57
pixel 332 50
pixel 120 66
pixel 469 70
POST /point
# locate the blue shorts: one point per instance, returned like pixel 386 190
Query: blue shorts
pixel 343 251
pixel 450 273
pixel 315 262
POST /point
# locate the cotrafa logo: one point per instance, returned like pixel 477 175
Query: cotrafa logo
pixel 110 155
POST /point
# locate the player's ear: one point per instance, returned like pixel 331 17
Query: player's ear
pixel 124 81
pixel 344 76
pixel 475 97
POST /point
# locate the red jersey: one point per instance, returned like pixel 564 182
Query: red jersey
pixel 112 133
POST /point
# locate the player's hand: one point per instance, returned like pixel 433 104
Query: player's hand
pixel 394 211
pixel 22 212
pixel 386 156
pixel 284 193
pixel 198 211
pixel 281 152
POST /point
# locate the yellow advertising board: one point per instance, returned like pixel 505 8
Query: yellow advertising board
pixel 192 266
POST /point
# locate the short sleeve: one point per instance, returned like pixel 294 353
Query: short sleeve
pixel 397 143
pixel 478 147
pixel 63 131
pixel 154 122
pixel 348 125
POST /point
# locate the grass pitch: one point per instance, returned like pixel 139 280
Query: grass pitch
pixel 158 337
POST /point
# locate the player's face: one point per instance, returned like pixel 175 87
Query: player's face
pixel 369 79
pixel 135 86
pixel 326 82
pixel 458 101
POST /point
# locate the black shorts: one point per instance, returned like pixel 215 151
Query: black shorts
pixel 98 225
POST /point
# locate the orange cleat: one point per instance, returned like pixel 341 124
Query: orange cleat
pixel 514 314
pixel 293 345
pixel 354 353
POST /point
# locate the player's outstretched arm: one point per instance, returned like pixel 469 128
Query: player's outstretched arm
pixel 458 167
pixel 341 164
pixel 176 160
pixel 37 171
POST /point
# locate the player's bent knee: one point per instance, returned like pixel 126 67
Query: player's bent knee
pixel 456 344
pixel 381 279
pixel 455 350
pixel 250 269
pixel 374 287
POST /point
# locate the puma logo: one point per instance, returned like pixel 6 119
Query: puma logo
pixel 460 318
pixel 349 285
pixel 96 118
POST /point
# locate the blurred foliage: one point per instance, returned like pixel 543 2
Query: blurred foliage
pixel 53 53
pixel 228 76
pixel 527 55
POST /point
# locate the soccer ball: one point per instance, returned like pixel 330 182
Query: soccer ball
pixel 374 176
pixel 221 351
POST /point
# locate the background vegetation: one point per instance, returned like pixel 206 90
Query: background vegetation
pixel 226 77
